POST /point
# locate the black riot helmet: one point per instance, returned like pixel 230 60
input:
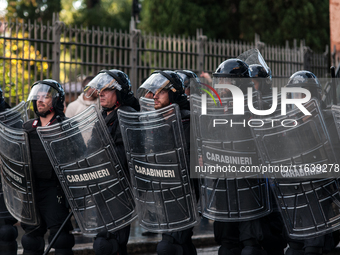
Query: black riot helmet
pixel 235 72
pixel 113 80
pixel 263 77
pixel 307 80
pixel 2 102
pixel 54 90
pixel 165 80
pixel 189 78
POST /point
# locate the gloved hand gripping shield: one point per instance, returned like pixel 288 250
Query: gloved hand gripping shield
pixel 302 167
pixel 156 153
pixel 16 175
pixel 224 146
pixel 82 154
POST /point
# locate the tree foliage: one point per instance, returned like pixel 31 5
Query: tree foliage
pixel 40 10
pixel 19 83
pixel 217 18
pixel 105 13
pixel 96 13
pixel 275 21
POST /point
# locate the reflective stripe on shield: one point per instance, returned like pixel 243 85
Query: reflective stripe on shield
pixel 16 175
pixel 82 154
pixel 156 152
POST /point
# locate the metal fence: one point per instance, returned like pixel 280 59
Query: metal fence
pixel 33 51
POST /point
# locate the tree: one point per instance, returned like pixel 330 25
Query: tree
pixel 275 21
pixel 278 21
pixel 218 18
pixel 115 14
pixel 40 10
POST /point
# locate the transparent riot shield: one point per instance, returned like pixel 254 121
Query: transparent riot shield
pixel 336 116
pixel 225 147
pixel 253 56
pixel 83 156
pixel 298 157
pixel 156 152
pixel 146 104
pixel 16 175
pixel 14 117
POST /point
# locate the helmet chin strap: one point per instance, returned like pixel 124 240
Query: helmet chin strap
pixel 105 109
pixel 44 114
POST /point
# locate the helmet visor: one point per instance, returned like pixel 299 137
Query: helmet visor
pixel 99 83
pixel 154 84
pixel 41 91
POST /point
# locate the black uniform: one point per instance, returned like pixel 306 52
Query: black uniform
pixel 180 242
pixel 51 202
pixel 107 243
pixel 8 232
pixel 324 243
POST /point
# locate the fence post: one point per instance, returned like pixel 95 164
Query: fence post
pixel 333 58
pixel 307 57
pixel 134 35
pixel 57 25
pixel 201 40
pixel 258 44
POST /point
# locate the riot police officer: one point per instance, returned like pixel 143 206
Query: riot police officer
pixel 262 79
pixel 272 225
pixel 8 232
pixel 167 88
pixel 3 104
pixel 188 77
pixel 324 243
pixel 241 237
pixel 115 93
pixel 47 100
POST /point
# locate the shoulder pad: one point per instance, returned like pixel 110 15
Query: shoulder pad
pixel 30 124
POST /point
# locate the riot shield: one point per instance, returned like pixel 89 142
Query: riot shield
pixel 156 152
pixel 14 117
pixel 225 146
pixel 146 104
pixel 16 175
pixel 253 56
pixel 336 116
pixel 298 157
pixel 83 156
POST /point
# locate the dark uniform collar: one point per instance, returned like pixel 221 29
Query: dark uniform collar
pixel 37 122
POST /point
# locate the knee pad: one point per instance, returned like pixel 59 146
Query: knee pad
pixel 65 240
pixel 105 246
pixel 165 247
pixel 33 244
pixel 8 233
pixel 8 242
